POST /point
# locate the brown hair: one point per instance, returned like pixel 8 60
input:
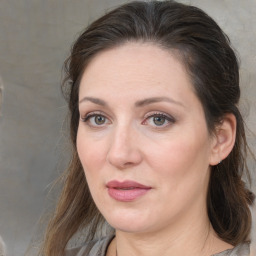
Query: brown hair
pixel 212 65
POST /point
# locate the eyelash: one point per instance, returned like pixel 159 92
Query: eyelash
pixel 167 118
pixel 86 119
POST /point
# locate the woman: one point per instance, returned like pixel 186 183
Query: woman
pixel 159 145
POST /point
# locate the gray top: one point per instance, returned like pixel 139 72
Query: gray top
pixel 99 248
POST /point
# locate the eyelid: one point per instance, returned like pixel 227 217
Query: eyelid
pixel 88 115
pixel 170 119
pixel 159 113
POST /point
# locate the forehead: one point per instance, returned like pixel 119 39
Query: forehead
pixel 135 66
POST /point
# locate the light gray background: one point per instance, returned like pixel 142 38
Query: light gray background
pixel 35 37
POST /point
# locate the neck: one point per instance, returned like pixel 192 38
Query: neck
pixel 191 238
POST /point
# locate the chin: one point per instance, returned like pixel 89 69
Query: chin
pixel 129 228
pixel 129 224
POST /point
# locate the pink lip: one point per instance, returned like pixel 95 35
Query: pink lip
pixel 126 191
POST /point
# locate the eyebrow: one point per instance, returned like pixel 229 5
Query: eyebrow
pixel 152 100
pixel 94 100
pixel 140 103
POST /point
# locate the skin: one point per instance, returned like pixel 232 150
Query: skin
pixel 124 139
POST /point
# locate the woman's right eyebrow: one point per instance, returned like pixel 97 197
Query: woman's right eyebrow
pixel 94 100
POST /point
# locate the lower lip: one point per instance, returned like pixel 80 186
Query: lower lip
pixel 127 195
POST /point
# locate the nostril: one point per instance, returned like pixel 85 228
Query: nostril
pixel 122 160
pixel 124 151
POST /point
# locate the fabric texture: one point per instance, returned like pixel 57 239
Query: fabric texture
pixel 99 248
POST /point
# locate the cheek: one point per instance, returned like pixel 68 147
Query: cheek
pixel 183 175
pixel 183 160
pixel 92 157
pixel 91 152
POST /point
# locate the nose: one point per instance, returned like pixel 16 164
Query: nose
pixel 124 151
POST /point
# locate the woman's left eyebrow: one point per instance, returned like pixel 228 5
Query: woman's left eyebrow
pixel 152 100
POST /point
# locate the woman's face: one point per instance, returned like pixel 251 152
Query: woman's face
pixel 142 139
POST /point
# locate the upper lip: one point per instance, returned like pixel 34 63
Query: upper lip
pixel 126 184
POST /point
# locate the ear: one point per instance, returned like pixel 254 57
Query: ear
pixel 224 139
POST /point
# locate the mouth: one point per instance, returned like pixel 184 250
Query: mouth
pixel 126 191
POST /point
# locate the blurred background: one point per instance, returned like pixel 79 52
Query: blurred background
pixel 35 38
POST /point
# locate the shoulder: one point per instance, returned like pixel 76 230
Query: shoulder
pixel 240 250
pixel 93 248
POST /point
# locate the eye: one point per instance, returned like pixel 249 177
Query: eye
pixel 99 120
pixel 95 119
pixel 158 120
